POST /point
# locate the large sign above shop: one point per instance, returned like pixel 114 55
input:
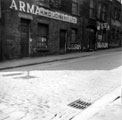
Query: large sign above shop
pixel 101 26
pixel 36 10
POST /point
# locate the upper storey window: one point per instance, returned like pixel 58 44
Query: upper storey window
pixel 44 3
pixel 92 10
pixel 55 4
pixel 75 8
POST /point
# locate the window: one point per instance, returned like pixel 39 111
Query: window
pixel 99 10
pixel 42 36
pixel 104 12
pixel 117 13
pixel 91 12
pixel 44 3
pixel 75 9
pixel 74 36
pixel 55 3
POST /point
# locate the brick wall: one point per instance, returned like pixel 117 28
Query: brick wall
pixel 11 32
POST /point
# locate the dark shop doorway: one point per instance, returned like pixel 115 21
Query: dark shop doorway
pixel 25 31
pixel 63 39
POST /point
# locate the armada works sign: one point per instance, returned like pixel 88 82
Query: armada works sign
pixel 36 10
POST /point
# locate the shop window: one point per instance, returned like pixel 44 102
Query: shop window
pixel 75 8
pixel 42 36
pixel 74 36
pixel 92 11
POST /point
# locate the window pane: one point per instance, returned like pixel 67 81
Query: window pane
pixel 99 10
pixel 75 7
pixel 91 4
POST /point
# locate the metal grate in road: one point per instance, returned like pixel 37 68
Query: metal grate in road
pixel 79 104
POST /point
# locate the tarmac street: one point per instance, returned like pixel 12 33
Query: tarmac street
pixel 45 91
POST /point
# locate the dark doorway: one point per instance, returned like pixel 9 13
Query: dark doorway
pixel 63 38
pixel 25 28
pixel 91 39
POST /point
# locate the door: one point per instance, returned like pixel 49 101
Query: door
pixel 25 37
pixel 63 37
pixel 91 40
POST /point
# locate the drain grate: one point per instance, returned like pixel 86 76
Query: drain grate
pixel 79 104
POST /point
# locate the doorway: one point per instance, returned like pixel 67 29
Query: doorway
pixel 91 39
pixel 63 39
pixel 25 29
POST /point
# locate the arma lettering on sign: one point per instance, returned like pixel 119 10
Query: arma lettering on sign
pixel 36 10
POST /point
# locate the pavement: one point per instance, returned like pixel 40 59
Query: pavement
pixel 106 108
pixel 9 64
pixel 109 107
pixel 112 111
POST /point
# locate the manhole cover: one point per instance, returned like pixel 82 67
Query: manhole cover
pixel 79 104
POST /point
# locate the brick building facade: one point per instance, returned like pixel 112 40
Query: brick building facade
pixel 35 28
pixel 115 24
pixel 42 27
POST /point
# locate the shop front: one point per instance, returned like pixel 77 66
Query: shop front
pixel 74 43
pixel 91 35
pixel 103 29
pixel 33 30
pixel 115 33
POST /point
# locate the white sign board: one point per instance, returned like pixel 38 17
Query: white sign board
pixel 36 10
